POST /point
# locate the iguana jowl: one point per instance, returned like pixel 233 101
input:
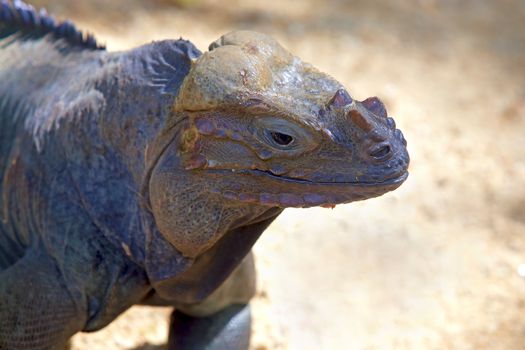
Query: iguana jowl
pixel 146 176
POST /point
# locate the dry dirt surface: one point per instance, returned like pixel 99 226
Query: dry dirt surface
pixel 433 265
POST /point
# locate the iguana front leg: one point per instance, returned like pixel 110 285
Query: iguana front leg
pixel 221 321
pixel 37 310
pixel 228 329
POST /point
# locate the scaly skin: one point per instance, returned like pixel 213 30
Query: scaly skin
pixel 146 176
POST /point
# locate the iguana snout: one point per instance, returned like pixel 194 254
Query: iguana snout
pixel 379 148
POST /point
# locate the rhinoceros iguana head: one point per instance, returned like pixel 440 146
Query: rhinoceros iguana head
pixel 259 128
pixel 276 131
pixel 281 132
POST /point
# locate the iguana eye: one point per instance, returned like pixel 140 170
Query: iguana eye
pixel 281 139
pixel 283 136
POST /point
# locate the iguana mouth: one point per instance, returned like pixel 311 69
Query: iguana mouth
pixel 397 178
pixel 302 193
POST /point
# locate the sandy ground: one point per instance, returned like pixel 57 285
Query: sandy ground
pixel 433 265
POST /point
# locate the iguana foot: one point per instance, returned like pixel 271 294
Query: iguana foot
pixel 228 329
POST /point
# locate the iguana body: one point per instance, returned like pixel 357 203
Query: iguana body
pixel 146 176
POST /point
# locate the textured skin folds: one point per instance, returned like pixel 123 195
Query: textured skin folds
pixel 146 176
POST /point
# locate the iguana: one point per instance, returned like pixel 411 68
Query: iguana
pixel 145 176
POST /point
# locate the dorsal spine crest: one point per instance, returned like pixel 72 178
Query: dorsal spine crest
pixel 18 16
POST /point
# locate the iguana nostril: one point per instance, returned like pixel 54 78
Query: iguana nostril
pixel 381 153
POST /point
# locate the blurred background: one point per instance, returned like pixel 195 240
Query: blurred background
pixel 436 264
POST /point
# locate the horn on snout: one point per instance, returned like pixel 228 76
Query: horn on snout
pixel 359 120
pixel 340 99
pixel 376 106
